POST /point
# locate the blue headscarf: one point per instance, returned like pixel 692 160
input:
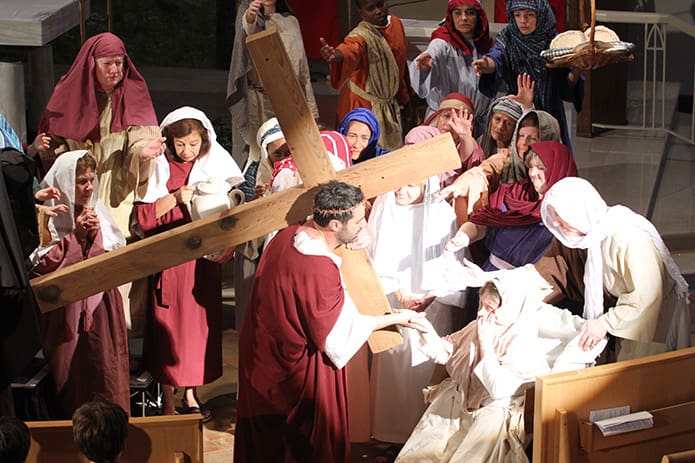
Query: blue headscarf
pixel 8 137
pixel 366 117
pixel 524 51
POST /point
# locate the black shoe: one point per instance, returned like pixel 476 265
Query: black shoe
pixel 188 410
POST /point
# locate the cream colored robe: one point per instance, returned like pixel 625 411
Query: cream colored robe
pixel 649 316
pixel 122 175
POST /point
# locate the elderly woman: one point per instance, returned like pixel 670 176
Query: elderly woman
pixel 102 104
pixel 501 120
pixel 447 65
pixel 183 341
pixel 455 116
pixel 476 415
pixel 409 231
pixel 511 224
pixel 627 258
pixel 85 343
pixel 362 131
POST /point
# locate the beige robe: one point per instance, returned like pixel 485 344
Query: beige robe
pixel 122 175
pixel 649 316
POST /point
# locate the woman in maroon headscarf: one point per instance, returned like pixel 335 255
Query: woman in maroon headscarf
pixel 102 104
pixel 446 66
pixel 511 224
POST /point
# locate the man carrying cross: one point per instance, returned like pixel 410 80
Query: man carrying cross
pixel 300 329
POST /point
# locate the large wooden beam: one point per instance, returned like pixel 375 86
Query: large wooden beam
pixel 196 239
pixel 290 107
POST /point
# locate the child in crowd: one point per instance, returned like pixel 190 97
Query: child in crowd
pixel 100 429
pixel 15 440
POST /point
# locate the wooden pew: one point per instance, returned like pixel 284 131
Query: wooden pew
pixel 662 384
pixel 155 439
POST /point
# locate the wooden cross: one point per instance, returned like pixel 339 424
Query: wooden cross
pixel 257 218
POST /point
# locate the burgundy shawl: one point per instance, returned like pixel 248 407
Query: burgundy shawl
pixel 72 111
pixel 521 199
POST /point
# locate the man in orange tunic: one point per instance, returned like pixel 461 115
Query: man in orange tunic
pixel 370 70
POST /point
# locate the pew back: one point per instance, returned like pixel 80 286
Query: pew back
pixel 663 384
pixel 155 439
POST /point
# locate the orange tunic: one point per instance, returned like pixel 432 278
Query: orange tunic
pixel 355 67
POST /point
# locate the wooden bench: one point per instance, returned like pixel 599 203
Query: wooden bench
pixel 662 384
pixel 155 439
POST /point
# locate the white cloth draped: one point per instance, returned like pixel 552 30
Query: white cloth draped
pixel 217 162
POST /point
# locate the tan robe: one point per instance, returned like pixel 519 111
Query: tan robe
pixel 122 176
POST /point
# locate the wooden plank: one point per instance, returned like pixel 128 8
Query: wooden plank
pixel 196 239
pixel 290 107
pixel 152 439
pixel 647 383
pixel 365 290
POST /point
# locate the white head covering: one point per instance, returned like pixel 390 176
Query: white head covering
pixel 578 203
pixel 62 176
pixel 216 163
pixel 269 132
pixel 409 241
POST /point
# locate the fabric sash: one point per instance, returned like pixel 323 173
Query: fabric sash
pixel 382 84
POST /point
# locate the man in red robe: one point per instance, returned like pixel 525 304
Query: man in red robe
pixel 300 329
pixel 370 69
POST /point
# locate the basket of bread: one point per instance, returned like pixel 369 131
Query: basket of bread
pixel 595 47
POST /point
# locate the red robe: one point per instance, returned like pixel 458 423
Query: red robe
pixel 356 67
pixel 183 341
pixel 292 402
pixel 86 351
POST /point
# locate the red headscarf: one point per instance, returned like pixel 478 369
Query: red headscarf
pixel 481 35
pixel 72 110
pixel 452 100
pixel 521 199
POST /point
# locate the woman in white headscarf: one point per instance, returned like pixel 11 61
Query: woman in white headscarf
pixel 183 341
pixel 476 415
pixel 409 232
pixel 628 258
pixel 85 342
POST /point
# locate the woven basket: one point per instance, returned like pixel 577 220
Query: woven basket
pixel 596 54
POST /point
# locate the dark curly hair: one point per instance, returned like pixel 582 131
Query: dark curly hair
pixel 336 201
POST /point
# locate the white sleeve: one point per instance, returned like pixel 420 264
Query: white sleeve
pixel 499 382
pixel 350 331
